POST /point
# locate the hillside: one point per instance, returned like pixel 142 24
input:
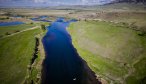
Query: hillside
pixel 113 52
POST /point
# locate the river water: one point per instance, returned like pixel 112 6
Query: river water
pixel 41 18
pixel 62 64
pixel 11 23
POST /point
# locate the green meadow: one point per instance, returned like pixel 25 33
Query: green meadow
pixel 16 53
pixel 13 29
pixel 113 52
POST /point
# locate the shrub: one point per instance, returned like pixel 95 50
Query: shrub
pixel 17 31
pixel 31 23
pixel 141 33
pixel 70 13
pixel 43 27
pixel 1 36
pixel 7 18
pixel 124 24
pixel 7 33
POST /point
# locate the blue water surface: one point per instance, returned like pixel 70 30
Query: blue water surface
pixel 41 18
pixel 62 64
pixel 11 23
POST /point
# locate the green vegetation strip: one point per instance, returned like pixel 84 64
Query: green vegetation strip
pixel 6 30
pixel 15 55
pixel 111 51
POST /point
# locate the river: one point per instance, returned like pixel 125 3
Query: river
pixel 62 64
pixel 11 23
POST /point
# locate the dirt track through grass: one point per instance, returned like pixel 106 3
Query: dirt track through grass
pixel 20 32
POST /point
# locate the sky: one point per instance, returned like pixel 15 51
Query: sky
pixel 50 2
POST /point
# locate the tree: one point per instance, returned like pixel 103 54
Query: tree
pixel 31 22
pixel 43 27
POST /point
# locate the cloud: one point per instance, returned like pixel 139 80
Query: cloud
pixel 39 1
pixel 84 1
pixel 53 2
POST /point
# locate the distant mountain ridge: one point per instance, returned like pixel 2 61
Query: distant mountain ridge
pixel 69 6
pixel 130 1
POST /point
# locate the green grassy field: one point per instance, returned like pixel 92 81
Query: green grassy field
pixel 13 29
pixel 113 52
pixel 16 52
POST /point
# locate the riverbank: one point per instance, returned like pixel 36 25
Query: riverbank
pixel 111 51
pixel 16 52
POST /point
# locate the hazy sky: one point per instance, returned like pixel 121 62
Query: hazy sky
pixel 50 2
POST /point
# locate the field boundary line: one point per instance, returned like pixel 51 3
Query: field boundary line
pixel 32 28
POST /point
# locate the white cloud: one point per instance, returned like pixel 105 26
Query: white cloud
pixel 84 1
pixel 54 2
pixel 39 1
